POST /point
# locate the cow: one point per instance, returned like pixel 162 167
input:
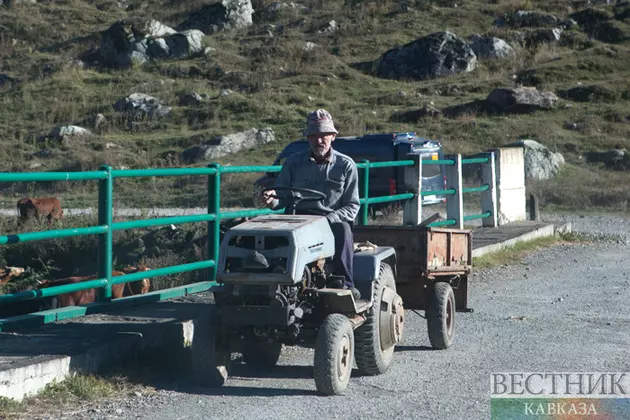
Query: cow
pixel 83 297
pixel 46 207
pixel 8 273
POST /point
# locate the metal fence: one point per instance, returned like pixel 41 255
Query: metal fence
pixel 106 226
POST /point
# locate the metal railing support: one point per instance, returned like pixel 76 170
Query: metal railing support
pixel 105 240
pixel 489 197
pixel 412 209
pixel 455 202
pixel 365 191
pixel 214 226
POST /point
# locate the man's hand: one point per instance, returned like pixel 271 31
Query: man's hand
pixel 267 197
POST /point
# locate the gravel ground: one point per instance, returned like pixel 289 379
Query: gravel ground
pixel 562 309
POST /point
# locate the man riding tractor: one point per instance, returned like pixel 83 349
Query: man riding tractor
pixel 321 168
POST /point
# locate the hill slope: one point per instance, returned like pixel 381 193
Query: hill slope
pixel 265 75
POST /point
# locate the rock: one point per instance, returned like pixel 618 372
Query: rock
pixel 490 47
pixel 127 43
pixel 612 32
pixel 570 125
pixel 225 145
pixel 141 105
pixel 11 3
pixel 435 55
pixel 330 27
pixel 588 93
pixel 525 18
pixel 44 153
pixel 590 19
pixel 223 15
pixel 35 165
pixel 309 46
pixel 417 114
pixel 543 36
pixel 568 24
pixel 110 145
pixel 617 158
pixel 600 25
pixel 70 131
pixel 99 121
pixel 520 100
pixel 192 98
pixel 8 81
pixel 540 162
pixel 622 11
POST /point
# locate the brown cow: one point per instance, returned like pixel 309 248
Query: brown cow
pixel 47 207
pixel 83 297
pixel 8 273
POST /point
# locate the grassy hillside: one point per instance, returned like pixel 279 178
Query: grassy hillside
pixel 275 82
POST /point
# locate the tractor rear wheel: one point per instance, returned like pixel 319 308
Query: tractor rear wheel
pixel 334 353
pixel 440 315
pixel 262 355
pixel 382 330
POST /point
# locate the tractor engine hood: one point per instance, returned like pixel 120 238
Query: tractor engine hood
pixel 274 249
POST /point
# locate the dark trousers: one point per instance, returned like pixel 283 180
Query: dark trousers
pixel 344 252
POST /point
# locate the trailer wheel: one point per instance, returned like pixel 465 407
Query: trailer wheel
pixel 334 353
pixel 440 315
pixel 382 330
pixel 262 355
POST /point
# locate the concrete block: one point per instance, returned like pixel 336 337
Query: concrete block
pixel 510 174
pixel 168 331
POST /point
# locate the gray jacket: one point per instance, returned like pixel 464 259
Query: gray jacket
pixel 338 178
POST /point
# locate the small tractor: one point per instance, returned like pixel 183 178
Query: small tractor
pixel 277 289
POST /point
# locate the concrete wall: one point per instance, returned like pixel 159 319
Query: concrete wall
pixel 510 173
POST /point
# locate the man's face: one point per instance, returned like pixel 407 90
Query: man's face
pixel 320 143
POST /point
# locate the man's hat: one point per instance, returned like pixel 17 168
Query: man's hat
pixel 319 121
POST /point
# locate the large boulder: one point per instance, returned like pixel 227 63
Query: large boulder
pixel 140 105
pixel 491 47
pixel 588 93
pixel 223 15
pixel 225 145
pixel 543 36
pixel 435 55
pixel 138 41
pixel 520 100
pixel 528 18
pixel 617 158
pixel 540 162
pixel 600 25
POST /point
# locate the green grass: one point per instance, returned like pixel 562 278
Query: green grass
pixel 56 396
pixel 514 254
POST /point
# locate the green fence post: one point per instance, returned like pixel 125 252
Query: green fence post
pixel 214 226
pixel 363 220
pixel 105 240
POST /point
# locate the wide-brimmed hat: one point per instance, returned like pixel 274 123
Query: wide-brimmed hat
pixel 319 121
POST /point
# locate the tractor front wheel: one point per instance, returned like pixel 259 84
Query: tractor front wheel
pixel 334 354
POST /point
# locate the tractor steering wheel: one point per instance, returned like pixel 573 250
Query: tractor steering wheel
pixel 293 196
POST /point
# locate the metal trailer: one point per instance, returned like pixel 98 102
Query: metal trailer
pixel 433 266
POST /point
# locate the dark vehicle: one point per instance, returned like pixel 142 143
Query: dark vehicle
pixel 379 148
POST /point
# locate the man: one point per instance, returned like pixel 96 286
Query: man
pixel 324 169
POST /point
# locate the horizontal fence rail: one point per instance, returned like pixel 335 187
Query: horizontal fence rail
pixel 104 279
